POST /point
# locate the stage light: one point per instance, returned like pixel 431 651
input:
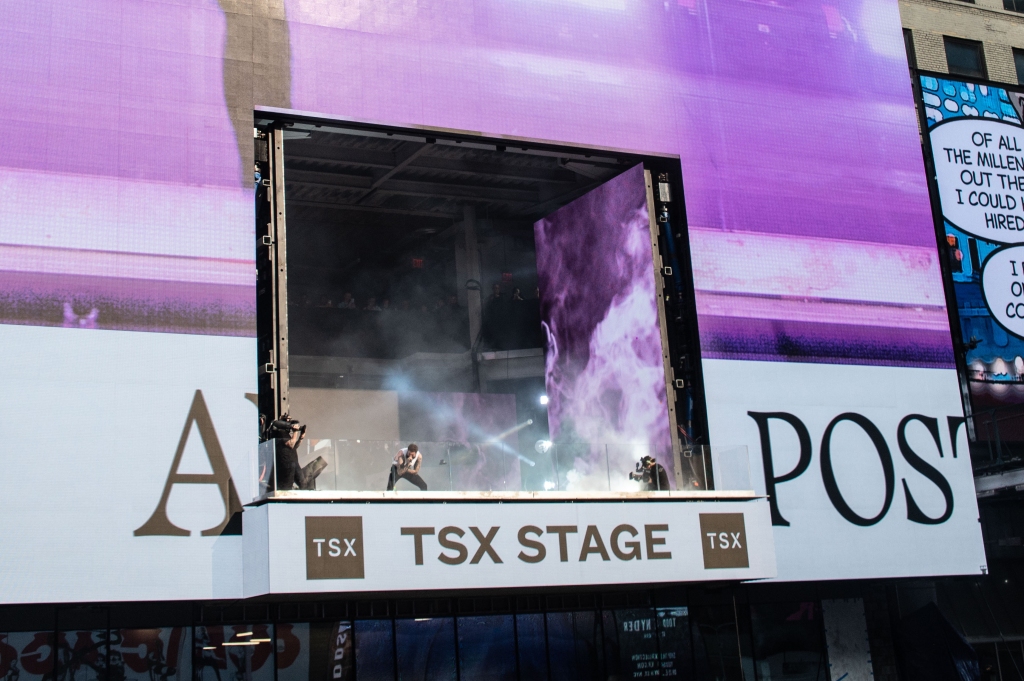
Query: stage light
pixel 548 485
pixel 542 446
pixel 543 400
pixel 514 429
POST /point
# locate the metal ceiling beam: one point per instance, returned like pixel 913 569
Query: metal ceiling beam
pixel 459 192
pixel 380 160
pixel 345 156
pixel 483 168
pixel 405 155
pixel 295 176
pixel 327 205
pixel 326 185
pixel 594 172
pixel 549 204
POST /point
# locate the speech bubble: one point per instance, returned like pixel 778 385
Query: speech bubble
pixel 1002 284
pixel 979 167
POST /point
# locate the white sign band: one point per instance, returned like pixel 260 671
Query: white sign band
pixel 309 547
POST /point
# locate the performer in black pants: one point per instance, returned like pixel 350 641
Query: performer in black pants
pixel 407 466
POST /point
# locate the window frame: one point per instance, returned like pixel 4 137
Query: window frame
pixel 948 41
pixel 1018 63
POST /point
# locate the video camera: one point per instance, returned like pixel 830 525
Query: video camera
pixel 283 428
pixel 642 473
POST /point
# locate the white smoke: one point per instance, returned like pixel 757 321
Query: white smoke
pixel 619 401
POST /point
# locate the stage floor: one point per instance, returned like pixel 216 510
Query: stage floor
pixel 501 497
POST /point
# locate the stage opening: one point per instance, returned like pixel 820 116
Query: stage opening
pixel 510 307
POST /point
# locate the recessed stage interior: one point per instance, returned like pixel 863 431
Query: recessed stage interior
pixel 415 311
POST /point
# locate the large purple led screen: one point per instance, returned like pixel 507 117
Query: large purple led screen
pixel 805 194
pixel 126 295
pixel 127 260
pixel 793 122
pixel 126 204
pixel 143 183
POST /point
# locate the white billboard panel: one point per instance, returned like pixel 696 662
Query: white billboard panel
pixel 94 421
pixel 104 415
pixel 293 547
pixel 867 468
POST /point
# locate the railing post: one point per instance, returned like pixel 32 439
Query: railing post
pixel 337 465
pixel 709 484
pixel 607 467
pixel 554 464
pixel 504 468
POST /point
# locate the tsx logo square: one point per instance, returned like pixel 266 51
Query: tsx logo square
pixel 724 540
pixel 334 547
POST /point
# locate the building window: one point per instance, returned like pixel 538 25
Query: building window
pixel 1018 61
pixel 1014 5
pixel 965 57
pixel 908 44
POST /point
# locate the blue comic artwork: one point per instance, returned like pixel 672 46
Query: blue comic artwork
pixel 994 356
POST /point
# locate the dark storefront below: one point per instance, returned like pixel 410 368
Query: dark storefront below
pixel 764 633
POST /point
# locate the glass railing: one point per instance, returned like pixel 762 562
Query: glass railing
pixel 265 475
pixel 367 465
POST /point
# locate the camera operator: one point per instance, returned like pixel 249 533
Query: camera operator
pixel 288 434
pixel 651 475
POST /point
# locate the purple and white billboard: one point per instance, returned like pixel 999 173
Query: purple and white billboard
pixel 126 249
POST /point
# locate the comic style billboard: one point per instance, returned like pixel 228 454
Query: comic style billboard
pixel 977 148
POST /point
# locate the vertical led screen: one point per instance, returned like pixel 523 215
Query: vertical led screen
pixel 604 374
pixel 977 146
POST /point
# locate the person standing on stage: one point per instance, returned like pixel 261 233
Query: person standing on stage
pixel 651 475
pixel 289 473
pixel 407 466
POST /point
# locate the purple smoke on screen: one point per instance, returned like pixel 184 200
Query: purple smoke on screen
pixel 134 204
pixel 604 373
